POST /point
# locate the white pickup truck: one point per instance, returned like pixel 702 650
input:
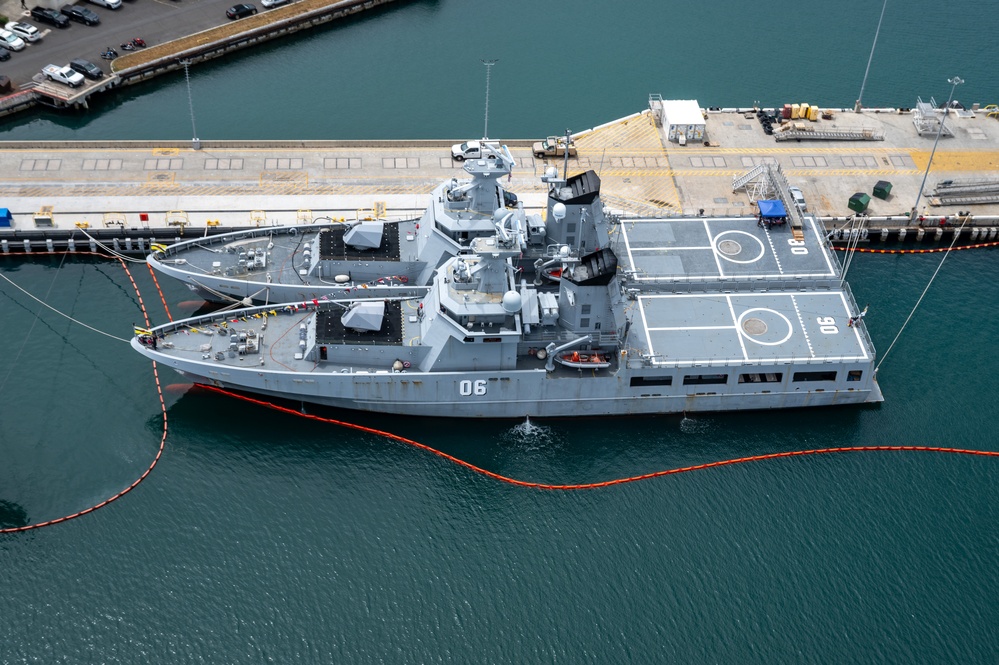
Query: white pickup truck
pixel 63 75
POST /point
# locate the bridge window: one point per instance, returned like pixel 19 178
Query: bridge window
pixel 704 379
pixel 854 375
pixel 769 377
pixel 814 376
pixel 639 381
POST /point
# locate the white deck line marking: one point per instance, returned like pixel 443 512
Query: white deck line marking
pixel 627 246
pixel 802 322
pixel 692 328
pixel 714 362
pixel 661 249
pixel 822 248
pixel 780 270
pixel 735 320
pixel 856 333
pixel 714 278
pixel 645 324
pixel 714 251
pixel 752 294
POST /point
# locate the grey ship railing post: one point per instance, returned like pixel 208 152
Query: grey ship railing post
pixel 954 82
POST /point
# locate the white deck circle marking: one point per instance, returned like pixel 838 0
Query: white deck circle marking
pixel 758 341
pixel 717 239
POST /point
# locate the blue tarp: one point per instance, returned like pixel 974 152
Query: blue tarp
pixel 5 217
pixel 771 208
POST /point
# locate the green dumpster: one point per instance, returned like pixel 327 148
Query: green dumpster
pixel 882 189
pixel 858 202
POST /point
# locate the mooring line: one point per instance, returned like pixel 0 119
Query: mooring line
pixel 163 437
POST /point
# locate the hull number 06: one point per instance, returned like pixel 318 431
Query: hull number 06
pixel 477 387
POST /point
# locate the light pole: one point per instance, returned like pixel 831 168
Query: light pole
pixel 954 82
pixel 489 67
pixel 195 141
pixel 857 108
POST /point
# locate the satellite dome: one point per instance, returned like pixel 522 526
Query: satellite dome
pixel 558 211
pixel 512 302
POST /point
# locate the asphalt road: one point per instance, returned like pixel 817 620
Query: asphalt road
pixel 155 21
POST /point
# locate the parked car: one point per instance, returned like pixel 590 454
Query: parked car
pixel 4 54
pixel 50 16
pixel 241 11
pixel 87 68
pixel 799 198
pixel 25 31
pixel 268 4
pixel 63 75
pixel 553 146
pixel 10 41
pixel 110 4
pixel 81 14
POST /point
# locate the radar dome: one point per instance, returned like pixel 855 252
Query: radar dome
pixel 512 302
pixel 558 211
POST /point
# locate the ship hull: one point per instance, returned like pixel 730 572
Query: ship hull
pixel 507 394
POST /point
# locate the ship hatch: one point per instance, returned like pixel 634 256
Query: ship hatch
pixel 330 329
pixel 333 247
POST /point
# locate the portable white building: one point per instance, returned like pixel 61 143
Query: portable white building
pixel 682 120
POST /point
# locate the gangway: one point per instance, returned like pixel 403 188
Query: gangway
pixel 768 180
pixel 928 118
pixel 807 135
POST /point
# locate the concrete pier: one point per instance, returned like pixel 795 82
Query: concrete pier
pixel 166 190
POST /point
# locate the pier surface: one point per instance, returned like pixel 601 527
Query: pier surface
pixel 182 190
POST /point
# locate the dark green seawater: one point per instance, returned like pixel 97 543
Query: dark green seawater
pixel 262 537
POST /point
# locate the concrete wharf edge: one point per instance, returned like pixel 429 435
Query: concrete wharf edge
pixel 642 174
pixel 214 42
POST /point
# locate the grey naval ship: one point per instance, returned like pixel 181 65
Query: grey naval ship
pixel 360 259
pixel 616 316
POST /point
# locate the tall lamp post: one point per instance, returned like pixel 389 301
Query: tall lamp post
pixel 489 68
pixel 954 82
pixel 858 107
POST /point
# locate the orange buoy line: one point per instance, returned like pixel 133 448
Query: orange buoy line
pixel 934 250
pixel 605 483
pixel 163 437
pixel 166 309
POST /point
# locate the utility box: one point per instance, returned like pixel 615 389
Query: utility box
pixel 858 202
pixel 882 188
pixel 44 217
pixel 6 219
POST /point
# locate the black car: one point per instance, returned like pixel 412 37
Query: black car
pixel 81 14
pixel 4 54
pixel 241 11
pixel 87 68
pixel 50 16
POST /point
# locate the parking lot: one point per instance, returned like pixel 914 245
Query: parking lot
pixel 155 21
